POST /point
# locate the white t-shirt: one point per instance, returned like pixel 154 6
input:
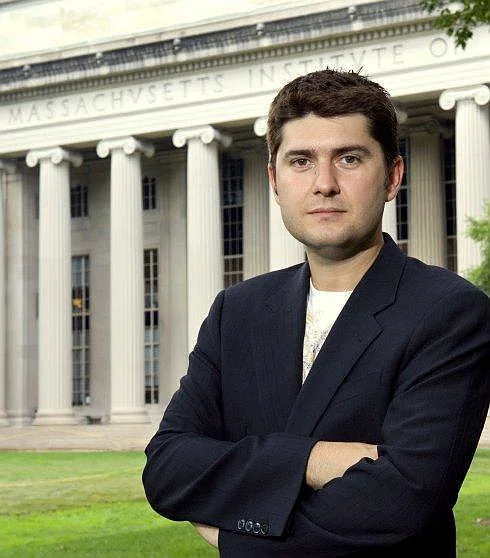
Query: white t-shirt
pixel 323 309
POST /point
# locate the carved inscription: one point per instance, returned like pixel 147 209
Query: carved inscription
pixel 125 99
pixel 229 82
pixel 375 58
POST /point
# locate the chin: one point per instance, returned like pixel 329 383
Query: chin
pixel 339 246
pixel 339 240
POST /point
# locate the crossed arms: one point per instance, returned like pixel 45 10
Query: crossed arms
pixel 327 461
pixel 427 440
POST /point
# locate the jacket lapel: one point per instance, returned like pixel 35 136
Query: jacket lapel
pixel 354 330
pixel 278 341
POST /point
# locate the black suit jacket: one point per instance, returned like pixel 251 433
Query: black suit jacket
pixel 405 366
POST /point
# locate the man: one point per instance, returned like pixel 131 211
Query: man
pixel 331 408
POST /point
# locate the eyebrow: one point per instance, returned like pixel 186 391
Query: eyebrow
pixel 337 151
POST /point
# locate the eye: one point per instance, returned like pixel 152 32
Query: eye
pixel 300 162
pixel 350 160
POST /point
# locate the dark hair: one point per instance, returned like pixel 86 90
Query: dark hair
pixel 328 93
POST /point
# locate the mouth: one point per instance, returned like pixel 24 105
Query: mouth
pixel 326 211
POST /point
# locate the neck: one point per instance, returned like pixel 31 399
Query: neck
pixel 341 274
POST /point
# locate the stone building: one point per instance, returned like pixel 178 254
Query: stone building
pixel 134 185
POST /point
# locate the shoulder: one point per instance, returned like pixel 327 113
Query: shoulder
pixel 418 280
pixel 437 282
pixel 418 291
pixel 435 294
pixel 265 284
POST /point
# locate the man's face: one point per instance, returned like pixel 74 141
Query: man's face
pixel 331 183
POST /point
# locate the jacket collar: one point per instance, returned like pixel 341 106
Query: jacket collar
pixel 279 337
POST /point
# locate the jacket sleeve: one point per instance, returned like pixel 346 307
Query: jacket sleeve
pixel 429 435
pixel 192 473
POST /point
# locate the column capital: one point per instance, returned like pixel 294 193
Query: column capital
pixel 128 144
pixel 479 93
pixel 260 126
pixel 55 154
pixel 7 167
pixel 206 134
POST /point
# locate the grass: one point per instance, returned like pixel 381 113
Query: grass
pixel 473 510
pixel 85 505
pixel 91 504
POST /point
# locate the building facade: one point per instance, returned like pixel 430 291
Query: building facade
pixel 134 185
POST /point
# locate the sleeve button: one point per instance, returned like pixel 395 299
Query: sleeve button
pixel 264 528
pixel 256 528
pixel 240 524
pixel 249 525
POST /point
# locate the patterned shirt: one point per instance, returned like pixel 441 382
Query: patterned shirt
pixel 322 311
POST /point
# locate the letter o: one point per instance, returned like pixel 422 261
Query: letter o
pixel 438 47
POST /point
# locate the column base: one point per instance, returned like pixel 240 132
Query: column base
pixel 53 417
pixel 19 418
pixel 129 416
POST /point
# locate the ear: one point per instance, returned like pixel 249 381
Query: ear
pixel 394 179
pixel 271 171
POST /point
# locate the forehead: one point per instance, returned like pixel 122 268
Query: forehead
pixel 312 129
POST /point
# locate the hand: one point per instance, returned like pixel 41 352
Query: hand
pixel 330 460
pixel 208 533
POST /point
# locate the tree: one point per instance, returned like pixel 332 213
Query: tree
pixel 458 19
pixel 479 231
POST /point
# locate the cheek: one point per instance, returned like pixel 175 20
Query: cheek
pixel 367 194
pixel 289 207
pixel 290 195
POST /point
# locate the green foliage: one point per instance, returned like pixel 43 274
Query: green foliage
pixel 479 231
pixel 458 19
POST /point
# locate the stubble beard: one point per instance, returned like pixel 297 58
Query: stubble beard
pixel 337 245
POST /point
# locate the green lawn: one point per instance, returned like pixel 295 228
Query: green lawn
pixel 84 505
pixel 473 510
pixel 90 504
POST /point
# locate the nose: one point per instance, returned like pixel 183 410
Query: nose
pixel 326 182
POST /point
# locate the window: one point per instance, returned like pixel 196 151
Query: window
pixel 79 200
pixel 149 193
pixel 80 304
pixel 402 199
pixel 232 217
pixel 152 338
pixel 450 198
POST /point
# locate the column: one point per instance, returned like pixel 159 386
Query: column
pixel 54 323
pixel 126 279
pixel 5 168
pixel 284 249
pixel 255 214
pixel 427 217
pixel 389 224
pixel 472 164
pixel 389 220
pixel 22 277
pixel 204 222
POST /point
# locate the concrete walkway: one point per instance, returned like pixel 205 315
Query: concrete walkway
pixel 78 437
pixel 95 437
